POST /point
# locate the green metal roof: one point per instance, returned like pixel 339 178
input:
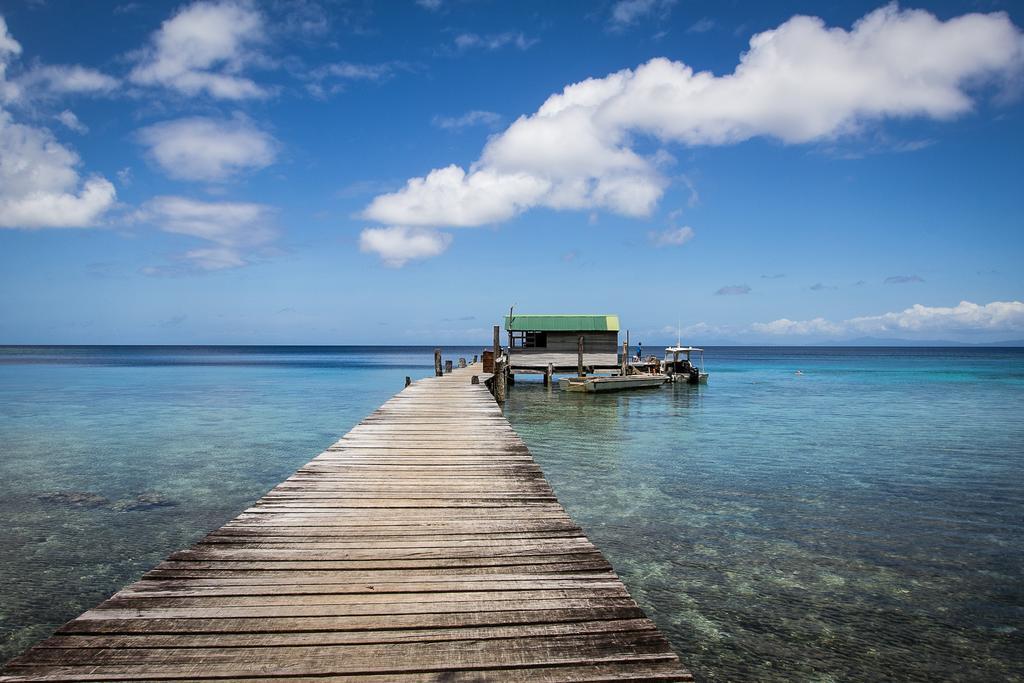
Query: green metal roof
pixel 562 323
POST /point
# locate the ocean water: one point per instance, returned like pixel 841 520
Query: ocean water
pixel 863 520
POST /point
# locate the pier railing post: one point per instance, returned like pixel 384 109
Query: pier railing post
pixel 437 363
pixel 447 367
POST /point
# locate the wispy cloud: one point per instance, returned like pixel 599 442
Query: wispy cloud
pixel 625 13
pixel 476 117
pixel 733 290
pixel 173 321
pixel 494 41
pixel 671 237
pixel 68 119
pixel 235 231
pixel 775 276
pixel 352 71
pixel 694 197
pixel 43 81
pixel 363 188
pixel 820 287
pixel 336 77
pixel 903 279
pixel 702 25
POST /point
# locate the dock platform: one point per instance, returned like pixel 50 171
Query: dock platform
pixel 425 545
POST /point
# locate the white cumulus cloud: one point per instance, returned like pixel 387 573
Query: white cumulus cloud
pixel 205 47
pixel 450 196
pixel 397 245
pixel 8 45
pixel 208 149
pixel 800 82
pixel 920 321
pixel 236 230
pixel 39 183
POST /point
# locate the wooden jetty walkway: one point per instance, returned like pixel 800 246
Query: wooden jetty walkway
pixel 425 545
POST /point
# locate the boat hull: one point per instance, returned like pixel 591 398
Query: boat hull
pixel 607 384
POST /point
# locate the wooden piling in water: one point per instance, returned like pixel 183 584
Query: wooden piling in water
pixel 437 363
pixel 500 380
pixel 497 342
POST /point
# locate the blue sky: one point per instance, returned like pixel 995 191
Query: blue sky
pixel 305 172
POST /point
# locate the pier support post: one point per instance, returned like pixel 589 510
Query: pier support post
pixel 462 362
pixel 579 356
pixel 497 342
pixel 408 380
pixel 437 363
pixel 475 379
pixel 625 354
pixel 447 367
pixel 475 358
pixel 500 370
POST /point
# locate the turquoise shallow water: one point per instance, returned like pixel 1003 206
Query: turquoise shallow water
pixel 861 521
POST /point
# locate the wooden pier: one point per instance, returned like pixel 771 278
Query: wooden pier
pixel 425 545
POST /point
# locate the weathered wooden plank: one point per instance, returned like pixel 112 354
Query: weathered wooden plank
pixel 423 545
pixel 283 599
pixel 350 622
pixel 325 610
pixel 369 658
pixel 345 637
pixel 187 589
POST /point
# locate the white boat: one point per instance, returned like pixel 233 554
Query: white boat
pixel 615 383
pixel 680 368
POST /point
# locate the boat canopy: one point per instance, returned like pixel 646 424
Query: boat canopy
pixel 682 349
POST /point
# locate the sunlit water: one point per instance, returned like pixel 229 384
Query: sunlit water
pixel 861 521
